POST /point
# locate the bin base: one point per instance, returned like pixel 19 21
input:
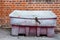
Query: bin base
pixel 21 34
pixel 43 35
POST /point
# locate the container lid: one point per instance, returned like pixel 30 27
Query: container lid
pixel 32 14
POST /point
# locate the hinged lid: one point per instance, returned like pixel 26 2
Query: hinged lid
pixel 32 14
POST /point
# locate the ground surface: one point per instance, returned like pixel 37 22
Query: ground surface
pixel 5 35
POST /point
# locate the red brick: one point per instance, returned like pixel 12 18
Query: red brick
pixel 8 6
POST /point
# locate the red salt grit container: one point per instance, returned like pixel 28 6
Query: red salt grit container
pixel 33 23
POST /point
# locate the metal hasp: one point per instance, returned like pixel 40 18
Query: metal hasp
pixel 36 19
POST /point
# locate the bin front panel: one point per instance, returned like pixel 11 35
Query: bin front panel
pixel 29 22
